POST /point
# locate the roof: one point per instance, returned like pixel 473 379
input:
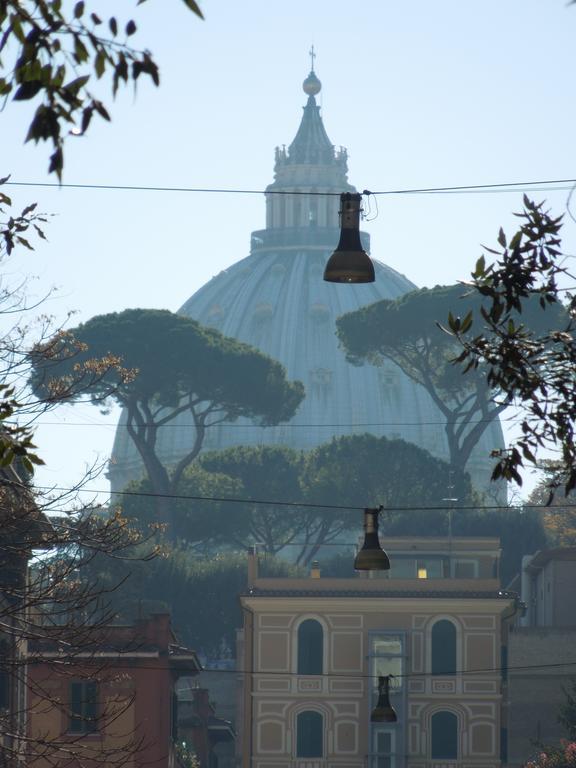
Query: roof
pixel 311 144
pixel 220 730
pixel 381 593
pixel 544 556
pixel 118 643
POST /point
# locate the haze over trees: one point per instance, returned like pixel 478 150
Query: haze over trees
pixel 409 332
pixel 406 332
pixel 559 517
pixel 158 365
pixel 200 592
pixel 297 502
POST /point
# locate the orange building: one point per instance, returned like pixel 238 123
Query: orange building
pixel 111 702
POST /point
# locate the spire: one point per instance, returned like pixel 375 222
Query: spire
pixel 309 164
pixel 311 145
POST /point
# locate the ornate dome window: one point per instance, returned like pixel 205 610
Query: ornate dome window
pixel 278 269
pixel 263 311
pixel 215 315
pixel 319 311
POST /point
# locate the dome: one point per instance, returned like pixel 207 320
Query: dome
pixel 276 300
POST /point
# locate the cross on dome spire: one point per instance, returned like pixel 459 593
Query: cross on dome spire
pixel 312 85
pixel 312 57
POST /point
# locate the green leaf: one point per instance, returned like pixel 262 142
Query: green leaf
pixel 453 322
pixel 130 28
pixel 28 90
pixel 27 464
pixel 7 458
pixel 100 63
pixel 16 27
pixel 75 85
pixel 480 268
pixel 79 10
pixel 101 109
pixel 466 323
pixel 80 50
pixel 58 78
pixel 86 118
pixel 502 238
pixel 113 24
pixel 194 7
pixel 24 242
pixel 28 209
pixel 44 126
pixel 39 232
pixel 56 163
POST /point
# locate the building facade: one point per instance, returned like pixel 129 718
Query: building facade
pixel 24 530
pixel 542 655
pixel 111 701
pixel 209 737
pixel 313 649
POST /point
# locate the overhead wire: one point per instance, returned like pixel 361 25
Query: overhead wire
pixel 410 675
pixel 346 675
pixel 293 504
pixel 236 425
pixel 527 186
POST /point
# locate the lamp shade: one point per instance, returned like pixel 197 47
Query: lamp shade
pixel 383 712
pixel 371 557
pixel 349 263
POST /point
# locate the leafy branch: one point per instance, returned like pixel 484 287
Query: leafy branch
pixel 54 54
pixel 532 369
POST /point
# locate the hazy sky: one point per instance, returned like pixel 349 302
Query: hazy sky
pixel 422 94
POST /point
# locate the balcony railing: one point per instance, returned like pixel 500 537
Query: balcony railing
pixel 308 763
pixel 443 764
pixel 302 236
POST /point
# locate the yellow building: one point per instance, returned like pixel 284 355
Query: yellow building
pixel 312 650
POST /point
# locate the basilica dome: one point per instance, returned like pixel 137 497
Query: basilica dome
pixel 276 300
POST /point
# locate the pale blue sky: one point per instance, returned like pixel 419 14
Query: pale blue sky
pixel 422 94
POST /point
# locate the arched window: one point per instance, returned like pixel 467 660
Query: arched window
pixel 310 648
pixel 444 736
pixel 309 734
pixel 443 648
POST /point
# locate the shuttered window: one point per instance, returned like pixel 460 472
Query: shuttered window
pixel 83 707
